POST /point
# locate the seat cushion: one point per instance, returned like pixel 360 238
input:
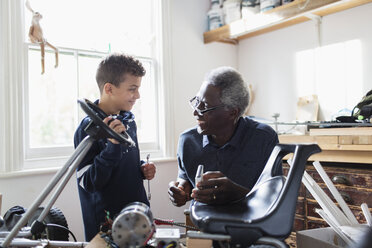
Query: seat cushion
pixel 255 206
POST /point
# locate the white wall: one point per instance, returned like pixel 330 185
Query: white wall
pixel 285 64
pixel 192 59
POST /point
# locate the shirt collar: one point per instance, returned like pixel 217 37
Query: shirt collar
pixel 127 116
pixel 205 140
pixel 235 139
pixel 123 115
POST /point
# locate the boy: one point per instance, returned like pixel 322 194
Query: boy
pixel 111 175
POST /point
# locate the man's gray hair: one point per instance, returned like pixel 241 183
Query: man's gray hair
pixel 234 91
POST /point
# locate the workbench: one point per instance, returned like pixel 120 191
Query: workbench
pixel 347 158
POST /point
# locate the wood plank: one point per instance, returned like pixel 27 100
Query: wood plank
pixel 355 140
pixel 341 131
pixel 277 26
pixel 362 140
pixel 218 34
pixel 326 139
pixel 345 139
pixel 346 147
pixel 363 157
pixel 297 139
pixel 198 243
pixel 277 18
pixel 259 22
pixel 340 7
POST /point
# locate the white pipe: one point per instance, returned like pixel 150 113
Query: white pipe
pixel 366 213
pixel 340 216
pixel 325 202
pixel 322 198
pixel 336 228
pixel 335 193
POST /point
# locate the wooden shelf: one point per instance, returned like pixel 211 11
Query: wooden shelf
pixel 283 16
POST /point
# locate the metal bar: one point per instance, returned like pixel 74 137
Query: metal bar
pixel 21 234
pixel 201 235
pixel 21 242
pixel 271 242
pixel 62 185
pixel 84 146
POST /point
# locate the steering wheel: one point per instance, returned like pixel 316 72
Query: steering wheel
pixel 97 115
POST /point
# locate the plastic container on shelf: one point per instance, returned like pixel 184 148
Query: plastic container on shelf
pixel 250 7
pixel 216 2
pixel 286 1
pixel 232 11
pixel 215 17
pixel 266 5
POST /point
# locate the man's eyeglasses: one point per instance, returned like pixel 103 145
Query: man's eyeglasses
pixel 195 103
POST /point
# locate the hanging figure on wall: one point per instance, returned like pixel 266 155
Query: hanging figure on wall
pixel 36 36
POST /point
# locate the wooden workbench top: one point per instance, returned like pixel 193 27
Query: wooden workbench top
pixel 351 145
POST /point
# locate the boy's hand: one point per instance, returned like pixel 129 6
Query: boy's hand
pixel 115 125
pixel 148 170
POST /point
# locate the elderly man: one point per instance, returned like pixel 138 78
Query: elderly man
pixel 233 149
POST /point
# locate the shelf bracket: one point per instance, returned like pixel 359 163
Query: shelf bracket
pixel 314 17
pixel 318 20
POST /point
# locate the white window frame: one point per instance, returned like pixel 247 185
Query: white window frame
pixel 13 68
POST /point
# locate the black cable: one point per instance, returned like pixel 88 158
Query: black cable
pixel 64 228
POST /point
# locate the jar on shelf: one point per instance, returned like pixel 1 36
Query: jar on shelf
pixel 216 2
pixel 250 7
pixel 231 10
pixel 215 17
pixel 286 1
pixel 266 5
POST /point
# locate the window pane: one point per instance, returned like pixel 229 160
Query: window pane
pixel 54 123
pixel 51 98
pixel 87 80
pixel 110 25
pixel 84 31
pixel 145 108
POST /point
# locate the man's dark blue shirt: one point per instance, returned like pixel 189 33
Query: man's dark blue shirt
pixel 109 177
pixel 242 159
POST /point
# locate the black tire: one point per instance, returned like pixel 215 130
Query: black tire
pixel 55 216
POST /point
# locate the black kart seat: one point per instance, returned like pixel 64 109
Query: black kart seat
pixel 267 210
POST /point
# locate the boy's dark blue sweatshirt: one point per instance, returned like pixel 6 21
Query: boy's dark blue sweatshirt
pixel 109 177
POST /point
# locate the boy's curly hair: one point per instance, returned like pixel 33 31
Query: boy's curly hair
pixel 115 67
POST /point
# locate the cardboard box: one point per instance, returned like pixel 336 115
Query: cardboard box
pixel 198 243
pixel 319 238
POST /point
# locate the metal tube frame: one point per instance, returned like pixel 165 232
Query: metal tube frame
pixel 69 168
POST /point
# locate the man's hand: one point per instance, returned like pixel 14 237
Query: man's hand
pixel 179 192
pixel 148 170
pixel 115 125
pixel 216 188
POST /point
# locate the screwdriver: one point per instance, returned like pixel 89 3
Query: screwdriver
pixel 148 181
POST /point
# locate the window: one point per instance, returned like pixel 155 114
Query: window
pixel 84 32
